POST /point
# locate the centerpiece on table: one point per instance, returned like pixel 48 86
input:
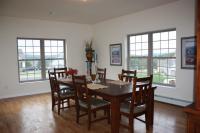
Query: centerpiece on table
pixel 71 72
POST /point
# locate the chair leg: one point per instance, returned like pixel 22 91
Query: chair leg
pixel 53 104
pixel 147 121
pixel 105 112
pixel 62 102
pixel 108 115
pixel 95 114
pixel 89 120
pixel 58 107
pixel 77 114
pixel 131 124
pixel 68 102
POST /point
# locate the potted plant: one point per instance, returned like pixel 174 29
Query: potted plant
pixel 89 50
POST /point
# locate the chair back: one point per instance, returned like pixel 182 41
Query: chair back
pixel 127 75
pixel 81 90
pixel 53 82
pixel 101 72
pixel 142 88
pixel 129 72
pixel 61 72
pixel 126 78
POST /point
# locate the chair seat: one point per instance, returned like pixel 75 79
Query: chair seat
pixel 64 87
pixel 65 94
pixel 125 108
pixel 95 103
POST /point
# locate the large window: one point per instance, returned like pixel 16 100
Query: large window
pixel 37 56
pixel 139 54
pixel 154 53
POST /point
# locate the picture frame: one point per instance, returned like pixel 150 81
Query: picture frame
pixel 116 54
pixel 188 52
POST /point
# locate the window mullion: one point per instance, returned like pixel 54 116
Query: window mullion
pixel 43 69
pixel 150 60
pixel 128 51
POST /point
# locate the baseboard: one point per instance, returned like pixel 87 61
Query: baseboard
pixel 22 95
pixel 173 101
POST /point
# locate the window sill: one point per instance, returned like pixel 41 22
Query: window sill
pixel 164 86
pixel 32 81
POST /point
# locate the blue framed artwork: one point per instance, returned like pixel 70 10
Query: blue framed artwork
pixel 188 52
pixel 116 54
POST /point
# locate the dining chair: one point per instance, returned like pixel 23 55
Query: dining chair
pixel 62 73
pixel 139 104
pixel 59 96
pixel 101 72
pixel 88 104
pixel 127 75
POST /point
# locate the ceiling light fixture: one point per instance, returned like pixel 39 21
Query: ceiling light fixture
pixel 50 12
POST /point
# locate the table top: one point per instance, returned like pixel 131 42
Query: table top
pixel 113 89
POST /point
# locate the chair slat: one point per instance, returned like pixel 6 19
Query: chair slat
pixel 101 72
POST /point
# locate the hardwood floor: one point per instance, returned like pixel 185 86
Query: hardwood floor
pixel 32 114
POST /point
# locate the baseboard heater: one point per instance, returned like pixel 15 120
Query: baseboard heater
pixel 173 101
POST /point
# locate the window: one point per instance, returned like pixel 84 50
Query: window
pixel 139 50
pixel 37 56
pixel 154 53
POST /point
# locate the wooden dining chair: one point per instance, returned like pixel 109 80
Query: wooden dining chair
pixel 59 96
pixel 139 104
pixel 127 75
pixel 62 73
pixel 101 72
pixel 85 102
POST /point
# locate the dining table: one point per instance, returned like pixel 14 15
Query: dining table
pixel 115 92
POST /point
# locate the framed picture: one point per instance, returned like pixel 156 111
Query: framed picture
pixel 116 54
pixel 188 52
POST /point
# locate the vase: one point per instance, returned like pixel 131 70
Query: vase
pixel 89 55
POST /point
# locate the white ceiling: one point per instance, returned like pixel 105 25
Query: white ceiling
pixel 78 11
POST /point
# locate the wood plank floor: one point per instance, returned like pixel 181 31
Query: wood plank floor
pixel 32 114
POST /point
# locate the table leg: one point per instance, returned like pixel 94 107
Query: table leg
pixel 151 119
pixel 115 115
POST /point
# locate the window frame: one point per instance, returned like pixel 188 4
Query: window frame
pixel 150 56
pixel 42 57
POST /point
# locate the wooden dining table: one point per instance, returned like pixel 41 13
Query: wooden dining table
pixel 115 92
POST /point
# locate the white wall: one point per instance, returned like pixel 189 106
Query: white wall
pixel 179 15
pixel 11 28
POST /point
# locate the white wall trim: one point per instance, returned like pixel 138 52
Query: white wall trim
pixel 22 94
pixel 173 101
